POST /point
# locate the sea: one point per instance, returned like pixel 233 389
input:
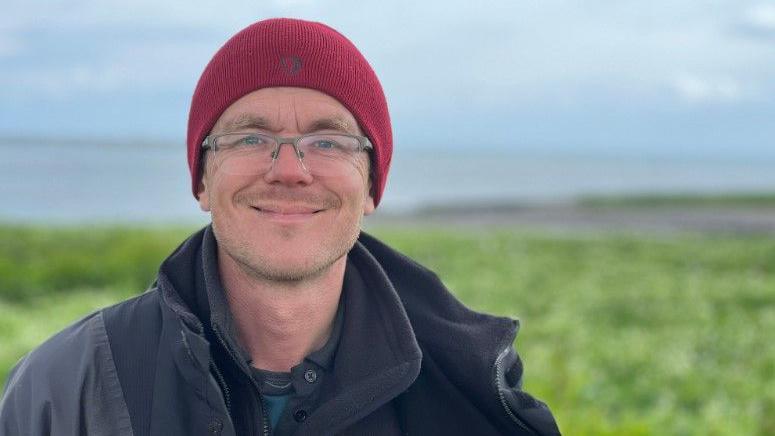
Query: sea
pixel 90 182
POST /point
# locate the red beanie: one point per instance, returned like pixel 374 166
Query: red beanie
pixel 289 52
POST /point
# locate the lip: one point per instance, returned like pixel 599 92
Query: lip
pixel 287 213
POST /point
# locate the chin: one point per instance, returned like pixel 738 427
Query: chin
pixel 289 268
pixel 285 253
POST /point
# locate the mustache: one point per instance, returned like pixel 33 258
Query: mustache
pixel 280 195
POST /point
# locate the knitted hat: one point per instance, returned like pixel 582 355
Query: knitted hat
pixel 290 52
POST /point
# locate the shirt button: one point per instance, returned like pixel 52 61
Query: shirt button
pixel 300 415
pixel 310 375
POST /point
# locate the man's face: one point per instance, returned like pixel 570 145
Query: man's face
pixel 286 224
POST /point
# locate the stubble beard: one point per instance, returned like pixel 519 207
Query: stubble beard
pixel 259 262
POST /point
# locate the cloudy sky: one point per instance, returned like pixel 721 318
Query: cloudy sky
pixel 625 77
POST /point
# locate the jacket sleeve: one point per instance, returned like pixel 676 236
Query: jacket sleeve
pixel 518 404
pixel 66 386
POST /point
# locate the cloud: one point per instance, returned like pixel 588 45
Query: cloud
pixel 432 57
pixel 761 17
pixel 9 46
pixel 64 82
pixel 137 66
pixel 757 22
pixel 697 89
pixel 292 3
pixel 74 15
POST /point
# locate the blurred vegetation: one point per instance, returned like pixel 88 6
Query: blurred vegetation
pixel 754 200
pixel 621 334
pixel 39 262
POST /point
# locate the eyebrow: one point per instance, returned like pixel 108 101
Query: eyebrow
pixel 330 124
pixel 245 121
pixel 249 121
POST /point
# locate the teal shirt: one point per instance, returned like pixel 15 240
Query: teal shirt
pixel 275 404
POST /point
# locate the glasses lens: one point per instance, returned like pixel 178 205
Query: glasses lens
pixel 252 153
pixel 329 154
pixel 244 153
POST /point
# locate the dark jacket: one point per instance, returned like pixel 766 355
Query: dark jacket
pixel 411 360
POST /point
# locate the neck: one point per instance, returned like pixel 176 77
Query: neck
pixel 280 323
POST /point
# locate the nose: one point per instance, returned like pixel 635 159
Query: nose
pixel 287 168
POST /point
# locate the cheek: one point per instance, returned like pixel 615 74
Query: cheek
pixel 220 189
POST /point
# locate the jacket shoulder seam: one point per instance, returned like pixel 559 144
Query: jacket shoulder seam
pixel 111 373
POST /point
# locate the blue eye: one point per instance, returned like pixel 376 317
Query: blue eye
pixel 252 140
pixel 325 144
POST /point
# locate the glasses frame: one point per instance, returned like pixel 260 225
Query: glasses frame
pixel 209 142
pixel 364 144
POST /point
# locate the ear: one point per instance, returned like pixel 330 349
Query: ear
pixel 203 195
pixel 368 205
pixel 368 202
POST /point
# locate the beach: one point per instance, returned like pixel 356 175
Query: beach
pixel 579 218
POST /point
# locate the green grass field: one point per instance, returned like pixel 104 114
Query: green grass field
pixel 624 335
pixel 751 200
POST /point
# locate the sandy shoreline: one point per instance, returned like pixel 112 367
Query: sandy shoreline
pixel 716 219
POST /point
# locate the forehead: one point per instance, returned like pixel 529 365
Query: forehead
pixel 287 108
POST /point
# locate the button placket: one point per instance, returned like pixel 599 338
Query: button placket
pixel 300 415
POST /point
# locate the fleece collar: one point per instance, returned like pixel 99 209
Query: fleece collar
pixel 377 358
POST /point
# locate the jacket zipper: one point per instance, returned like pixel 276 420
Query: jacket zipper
pixel 224 386
pixel 261 405
pixel 499 375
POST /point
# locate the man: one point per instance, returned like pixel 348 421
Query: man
pixel 282 317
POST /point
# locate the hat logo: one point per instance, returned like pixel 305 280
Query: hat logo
pixel 290 64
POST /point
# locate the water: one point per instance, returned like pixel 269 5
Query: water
pixel 150 183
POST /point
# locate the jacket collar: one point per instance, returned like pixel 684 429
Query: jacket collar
pixel 377 358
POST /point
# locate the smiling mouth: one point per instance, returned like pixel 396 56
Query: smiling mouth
pixel 289 211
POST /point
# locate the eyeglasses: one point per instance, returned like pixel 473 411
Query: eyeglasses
pixel 322 154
